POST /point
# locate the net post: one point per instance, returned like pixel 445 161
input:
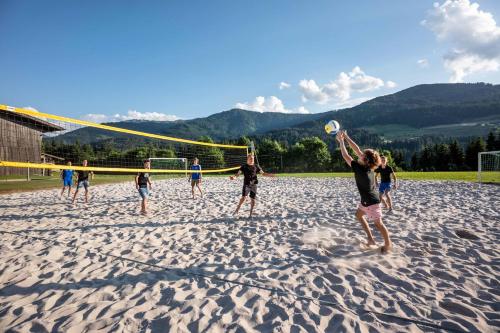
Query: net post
pixel 186 166
pixel 479 169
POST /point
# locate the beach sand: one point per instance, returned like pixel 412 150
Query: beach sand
pixel 298 266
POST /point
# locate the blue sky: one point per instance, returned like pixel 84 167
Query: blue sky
pixel 165 59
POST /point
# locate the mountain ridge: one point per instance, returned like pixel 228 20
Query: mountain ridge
pixel 415 108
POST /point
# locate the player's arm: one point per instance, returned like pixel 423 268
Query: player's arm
pixel 236 175
pixel 393 174
pixel 353 145
pixel 265 174
pixel 376 178
pixel 137 181
pixel 343 150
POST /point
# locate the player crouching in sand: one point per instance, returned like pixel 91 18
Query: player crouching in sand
pixel 250 171
pixel 368 160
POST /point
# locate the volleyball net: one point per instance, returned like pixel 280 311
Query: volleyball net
pixel 37 140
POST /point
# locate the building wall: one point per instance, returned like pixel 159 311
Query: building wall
pixel 19 144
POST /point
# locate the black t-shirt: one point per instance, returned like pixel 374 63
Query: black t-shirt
pixel 250 172
pixel 365 180
pixel 385 173
pixel 82 175
pixel 143 179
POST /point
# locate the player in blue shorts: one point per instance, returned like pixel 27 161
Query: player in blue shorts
pixel 386 172
pixel 195 177
pixel 83 181
pixel 143 185
pixel 67 178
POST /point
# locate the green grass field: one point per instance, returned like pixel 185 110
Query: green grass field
pixel 468 176
pixel 19 184
pixel 10 184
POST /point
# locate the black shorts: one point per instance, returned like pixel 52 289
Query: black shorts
pixel 249 189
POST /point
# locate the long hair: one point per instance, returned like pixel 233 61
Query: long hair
pixel 372 158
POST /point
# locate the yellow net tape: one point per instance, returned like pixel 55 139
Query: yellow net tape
pixel 44 116
pixel 104 169
pixel 111 128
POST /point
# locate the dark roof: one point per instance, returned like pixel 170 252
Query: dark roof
pixel 29 121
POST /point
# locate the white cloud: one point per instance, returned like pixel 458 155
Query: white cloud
pixel 131 114
pixel 96 118
pixel 311 91
pixel 30 108
pixel 390 84
pixel 301 109
pixel 423 63
pixel 472 35
pixel 269 104
pixel 284 85
pixel 340 90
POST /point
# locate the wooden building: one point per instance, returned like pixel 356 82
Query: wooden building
pixel 21 139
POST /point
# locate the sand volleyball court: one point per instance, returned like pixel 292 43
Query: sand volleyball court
pixel 297 266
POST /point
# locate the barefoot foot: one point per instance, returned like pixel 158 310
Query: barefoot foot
pixel 386 248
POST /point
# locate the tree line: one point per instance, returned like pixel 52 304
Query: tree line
pixel 310 154
pixel 313 154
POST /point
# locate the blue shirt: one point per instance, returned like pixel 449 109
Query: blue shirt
pixel 196 175
pixel 67 175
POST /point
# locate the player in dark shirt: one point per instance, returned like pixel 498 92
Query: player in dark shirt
pixel 368 161
pixel 250 181
pixel 83 181
pixel 142 180
pixel 384 189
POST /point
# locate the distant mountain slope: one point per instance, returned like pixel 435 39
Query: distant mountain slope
pixel 220 126
pixel 428 109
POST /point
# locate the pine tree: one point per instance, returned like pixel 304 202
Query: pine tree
pixel 426 160
pixel 490 141
pixel 414 161
pixel 473 149
pixel 457 157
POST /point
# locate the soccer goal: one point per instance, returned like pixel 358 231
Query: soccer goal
pixel 488 167
pixel 169 163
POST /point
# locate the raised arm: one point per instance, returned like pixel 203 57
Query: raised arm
pixel 353 145
pixel 343 150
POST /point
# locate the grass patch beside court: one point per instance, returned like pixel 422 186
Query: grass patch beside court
pixel 12 184
pixel 9 184
pixel 468 176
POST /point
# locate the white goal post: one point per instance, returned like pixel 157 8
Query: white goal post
pixel 181 162
pixel 488 161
